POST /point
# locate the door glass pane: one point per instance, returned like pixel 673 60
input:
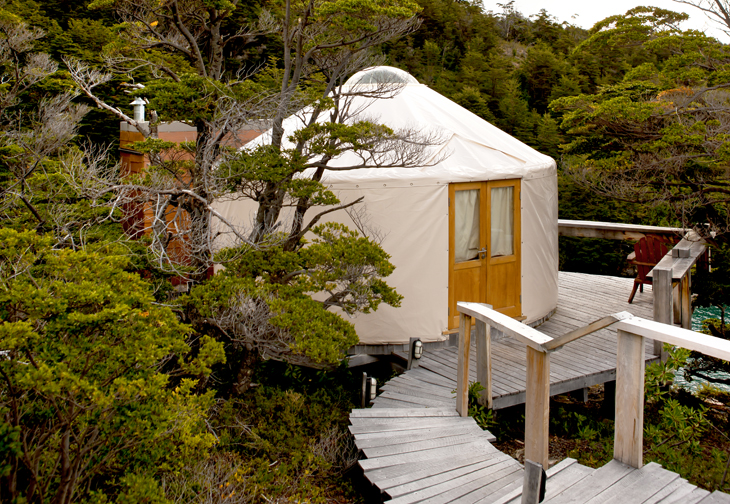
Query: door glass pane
pixel 502 222
pixel 466 222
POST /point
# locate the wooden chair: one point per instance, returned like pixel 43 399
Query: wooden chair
pixel 647 253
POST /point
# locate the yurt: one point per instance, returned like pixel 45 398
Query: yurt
pixel 480 224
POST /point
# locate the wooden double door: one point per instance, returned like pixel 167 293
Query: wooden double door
pixel 484 246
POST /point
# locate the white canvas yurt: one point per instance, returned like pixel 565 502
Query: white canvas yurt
pixel 481 224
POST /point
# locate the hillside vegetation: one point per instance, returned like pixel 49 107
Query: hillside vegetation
pixel 129 374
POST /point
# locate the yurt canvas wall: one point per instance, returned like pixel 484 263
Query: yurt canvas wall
pixel 410 207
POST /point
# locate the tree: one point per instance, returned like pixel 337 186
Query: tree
pixel 659 136
pixel 516 118
pixel 717 10
pixel 187 56
pixel 187 48
pixel 37 122
pixel 98 382
pixel 540 73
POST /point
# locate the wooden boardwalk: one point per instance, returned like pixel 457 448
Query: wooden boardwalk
pixel 418 449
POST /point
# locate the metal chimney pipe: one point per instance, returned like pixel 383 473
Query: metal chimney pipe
pixel 138 105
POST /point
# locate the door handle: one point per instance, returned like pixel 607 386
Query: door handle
pixel 482 253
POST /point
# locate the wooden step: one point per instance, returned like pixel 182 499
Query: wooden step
pixel 675 487
pixel 391 476
pixel 480 446
pixel 429 476
pixel 593 484
pixel 455 488
pixel 561 476
pixel 716 498
pixel 637 487
pixel 372 427
pixel 396 438
pixel 403 413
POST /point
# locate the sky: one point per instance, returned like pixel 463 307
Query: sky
pixel 587 13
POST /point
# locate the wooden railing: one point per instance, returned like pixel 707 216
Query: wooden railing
pixel 629 419
pixel 613 230
pixel 671 278
pixel 672 285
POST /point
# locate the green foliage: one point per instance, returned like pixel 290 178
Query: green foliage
pixel 483 416
pixel 192 99
pixel 660 375
pixel 653 132
pixel 277 286
pixel 85 349
pixel 596 256
pixel 285 439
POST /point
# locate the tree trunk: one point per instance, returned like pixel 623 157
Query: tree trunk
pixel 244 376
pixel 65 488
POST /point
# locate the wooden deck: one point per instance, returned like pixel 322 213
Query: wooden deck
pixel 418 449
pixel 586 362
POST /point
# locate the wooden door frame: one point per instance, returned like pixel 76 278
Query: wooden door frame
pixel 517 236
pixel 464 186
pixel 485 232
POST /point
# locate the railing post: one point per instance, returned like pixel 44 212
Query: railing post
pixel 629 421
pixel 663 304
pixel 484 362
pixel 462 373
pixel 537 406
pixel 685 295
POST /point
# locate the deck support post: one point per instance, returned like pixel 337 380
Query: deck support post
pixel 533 485
pixel 676 303
pixel 663 304
pixel 629 420
pixel 484 362
pixel 462 373
pixel 537 406
pixel 685 296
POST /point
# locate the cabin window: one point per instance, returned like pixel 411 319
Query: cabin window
pixel 466 224
pixel 502 221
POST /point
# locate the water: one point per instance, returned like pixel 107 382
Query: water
pixel 704 312
pixel 698 316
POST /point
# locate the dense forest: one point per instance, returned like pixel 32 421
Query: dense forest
pixel 119 385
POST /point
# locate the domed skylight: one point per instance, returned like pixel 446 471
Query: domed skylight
pixel 381 75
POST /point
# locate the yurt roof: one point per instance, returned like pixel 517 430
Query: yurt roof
pixel 472 148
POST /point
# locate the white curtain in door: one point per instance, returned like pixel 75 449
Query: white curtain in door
pixel 466 223
pixel 502 222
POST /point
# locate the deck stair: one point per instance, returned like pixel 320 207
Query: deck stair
pixel 617 483
pixel 418 449
pixel 432 455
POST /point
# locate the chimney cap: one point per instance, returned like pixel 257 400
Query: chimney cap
pixel 138 101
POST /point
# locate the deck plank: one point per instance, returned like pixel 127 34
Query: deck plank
pixel 418 483
pixel 388 477
pixel 638 486
pixel 395 438
pixel 716 498
pixel 456 487
pixel 594 484
pixel 478 445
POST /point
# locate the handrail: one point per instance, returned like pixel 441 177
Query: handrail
pixel 673 274
pixel 509 326
pixel 560 341
pixel 530 336
pixel 630 364
pixel 538 348
pixel 681 258
pixel 612 230
pixel 677 336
